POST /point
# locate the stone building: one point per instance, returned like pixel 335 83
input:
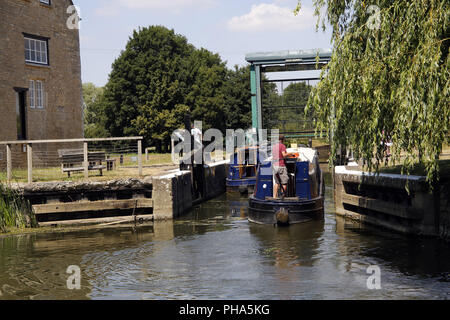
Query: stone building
pixel 40 74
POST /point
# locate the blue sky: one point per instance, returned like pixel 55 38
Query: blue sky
pixel 231 28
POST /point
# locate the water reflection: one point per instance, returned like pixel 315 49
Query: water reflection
pixel 214 253
pixel 411 256
pixel 296 245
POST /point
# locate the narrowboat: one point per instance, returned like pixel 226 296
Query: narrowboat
pixel 302 201
pixel 242 170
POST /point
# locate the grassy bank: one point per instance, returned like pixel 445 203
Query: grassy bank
pixel 419 169
pixel 15 211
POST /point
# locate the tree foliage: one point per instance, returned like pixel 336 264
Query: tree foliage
pixel 238 111
pixel 94 115
pixel 285 110
pixel 160 77
pixel 206 96
pixel 388 79
pixel 148 81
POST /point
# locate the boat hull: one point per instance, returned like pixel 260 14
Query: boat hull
pixel 285 212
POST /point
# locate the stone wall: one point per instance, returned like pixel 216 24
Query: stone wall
pixel 172 194
pixel 61 117
pixel 383 200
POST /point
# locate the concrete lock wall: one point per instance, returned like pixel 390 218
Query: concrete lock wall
pixel 157 198
pixel 383 200
pixel 172 193
pixel 215 179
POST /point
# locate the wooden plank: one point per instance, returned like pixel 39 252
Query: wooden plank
pixel 30 162
pixel 71 207
pixel 140 157
pixel 73 169
pixel 8 163
pixel 96 221
pixel 85 160
pixel 386 207
pixel 79 158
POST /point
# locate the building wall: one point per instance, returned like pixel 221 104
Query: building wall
pixel 61 117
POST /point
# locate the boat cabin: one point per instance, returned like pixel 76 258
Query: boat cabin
pixel 304 176
pixel 243 167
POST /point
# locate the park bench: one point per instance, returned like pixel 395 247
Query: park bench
pixel 72 160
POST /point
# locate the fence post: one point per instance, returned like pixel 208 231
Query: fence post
pixel 30 162
pixel 86 160
pixel 8 163
pixel 140 157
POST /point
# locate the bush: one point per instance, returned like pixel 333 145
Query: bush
pixel 15 210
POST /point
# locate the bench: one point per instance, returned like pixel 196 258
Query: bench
pixel 72 161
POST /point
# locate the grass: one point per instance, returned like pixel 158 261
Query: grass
pixel 419 169
pixel 15 211
pixel 316 142
pixel 158 158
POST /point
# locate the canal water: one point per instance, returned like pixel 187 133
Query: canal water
pixel 215 253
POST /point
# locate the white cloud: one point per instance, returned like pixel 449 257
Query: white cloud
pixel 272 17
pixel 175 6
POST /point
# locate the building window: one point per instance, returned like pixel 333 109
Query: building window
pixel 37 94
pixel 36 51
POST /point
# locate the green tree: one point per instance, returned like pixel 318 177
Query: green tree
pixel 206 96
pixel 271 100
pixel 156 80
pixel 94 113
pixel 238 99
pixel 152 75
pixel 291 114
pixel 238 110
pixel 388 78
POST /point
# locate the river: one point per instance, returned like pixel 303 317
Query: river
pixel 215 253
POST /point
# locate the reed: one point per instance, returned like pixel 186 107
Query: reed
pixel 15 210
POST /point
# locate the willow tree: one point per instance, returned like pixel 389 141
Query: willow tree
pixel 388 78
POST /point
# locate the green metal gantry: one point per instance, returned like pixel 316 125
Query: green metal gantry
pixel 280 61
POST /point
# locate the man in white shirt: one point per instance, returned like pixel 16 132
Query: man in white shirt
pixel 198 138
pixel 198 161
pixel 198 144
